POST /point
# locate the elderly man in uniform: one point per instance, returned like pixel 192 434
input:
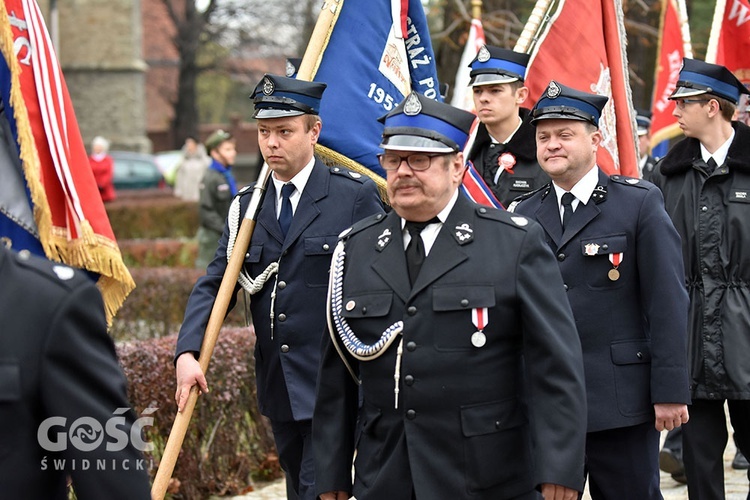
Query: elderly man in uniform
pixel 217 188
pixel 454 318
pixel 621 262
pixel 59 370
pixel 504 152
pixel 305 208
pixel 705 179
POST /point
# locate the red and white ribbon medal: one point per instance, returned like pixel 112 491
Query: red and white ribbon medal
pixel 479 318
pixel 615 259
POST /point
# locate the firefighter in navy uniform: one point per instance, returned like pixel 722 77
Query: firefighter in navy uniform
pixel 304 209
pixel 504 151
pixel 621 261
pixel 57 361
pixel 461 334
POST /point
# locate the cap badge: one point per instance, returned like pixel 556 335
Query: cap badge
pixel 412 106
pixel 553 90
pixel 591 249
pixel 290 69
pixel 268 86
pixel 484 54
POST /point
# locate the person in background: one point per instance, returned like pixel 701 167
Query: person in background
pixel 454 319
pixel 621 262
pixel 504 152
pixel 305 207
pixel 647 162
pixel 59 372
pixel 193 166
pixel 103 167
pixel 217 188
pixel 705 179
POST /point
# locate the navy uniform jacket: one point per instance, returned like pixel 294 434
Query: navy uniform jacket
pixel 56 360
pixel 633 330
pixel 286 365
pixel 471 421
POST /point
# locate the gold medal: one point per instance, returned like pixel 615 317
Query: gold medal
pixel 613 274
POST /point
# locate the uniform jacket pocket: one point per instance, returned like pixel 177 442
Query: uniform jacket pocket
pixel 318 251
pixel 596 251
pixel 632 371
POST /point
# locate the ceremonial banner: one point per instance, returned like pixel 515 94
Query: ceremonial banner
pixel 462 94
pixel 674 45
pixel 376 53
pixel 49 201
pixel 729 42
pixel 583 46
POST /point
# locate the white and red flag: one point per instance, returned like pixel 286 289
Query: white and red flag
pixel 583 46
pixel 49 201
pixel 729 42
pixel 462 95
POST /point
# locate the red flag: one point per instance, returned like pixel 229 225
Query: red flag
pixel 72 224
pixel 462 96
pixel 583 46
pixel 674 45
pixel 729 43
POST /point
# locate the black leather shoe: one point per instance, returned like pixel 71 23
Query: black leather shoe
pixel 680 477
pixel 670 463
pixel 740 462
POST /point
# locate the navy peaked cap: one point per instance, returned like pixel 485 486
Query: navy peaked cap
pixel 419 123
pixel 564 103
pixel 280 96
pixel 699 77
pixel 494 65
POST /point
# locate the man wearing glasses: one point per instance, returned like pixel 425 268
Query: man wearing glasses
pixel 705 179
pixel 454 318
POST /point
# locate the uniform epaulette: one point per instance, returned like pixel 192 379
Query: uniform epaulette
pixel 525 196
pixel 55 272
pixel 349 174
pixel 503 216
pixel 628 181
pixel 363 224
pixel 245 190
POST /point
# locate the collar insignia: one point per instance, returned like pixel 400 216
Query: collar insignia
pixel 384 239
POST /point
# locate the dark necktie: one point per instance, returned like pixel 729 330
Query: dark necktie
pixel 285 214
pixel 567 203
pixel 711 165
pixel 415 253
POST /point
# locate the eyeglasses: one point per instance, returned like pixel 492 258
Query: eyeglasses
pixel 416 161
pixel 681 103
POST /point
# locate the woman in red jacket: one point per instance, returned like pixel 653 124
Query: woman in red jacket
pixel 103 167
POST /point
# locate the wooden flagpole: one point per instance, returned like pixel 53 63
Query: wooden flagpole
pixel 537 20
pixel 318 41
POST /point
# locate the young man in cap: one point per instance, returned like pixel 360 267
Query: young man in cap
pixel 621 262
pixel 304 209
pixel 504 152
pixel 647 162
pixel 217 188
pixel 488 397
pixel 705 179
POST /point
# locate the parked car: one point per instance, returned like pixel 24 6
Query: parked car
pixel 168 161
pixel 136 171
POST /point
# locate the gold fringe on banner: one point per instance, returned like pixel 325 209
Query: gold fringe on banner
pixel 331 158
pixel 89 251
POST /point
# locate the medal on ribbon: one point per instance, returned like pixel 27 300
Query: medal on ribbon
pixel 479 318
pixel 615 259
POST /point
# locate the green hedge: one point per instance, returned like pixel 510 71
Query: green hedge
pixel 157 216
pixel 228 444
pixel 159 252
pixel 157 305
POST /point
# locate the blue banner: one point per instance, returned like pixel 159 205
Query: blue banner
pixel 369 71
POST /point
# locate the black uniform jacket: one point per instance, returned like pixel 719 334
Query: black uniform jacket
pixel 488 422
pixel 527 174
pixel 286 358
pixel 633 328
pixel 712 214
pixel 57 361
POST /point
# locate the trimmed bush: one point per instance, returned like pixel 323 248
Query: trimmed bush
pixel 157 305
pixel 228 444
pixel 159 215
pixel 159 253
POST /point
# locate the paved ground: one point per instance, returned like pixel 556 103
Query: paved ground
pixel 736 485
